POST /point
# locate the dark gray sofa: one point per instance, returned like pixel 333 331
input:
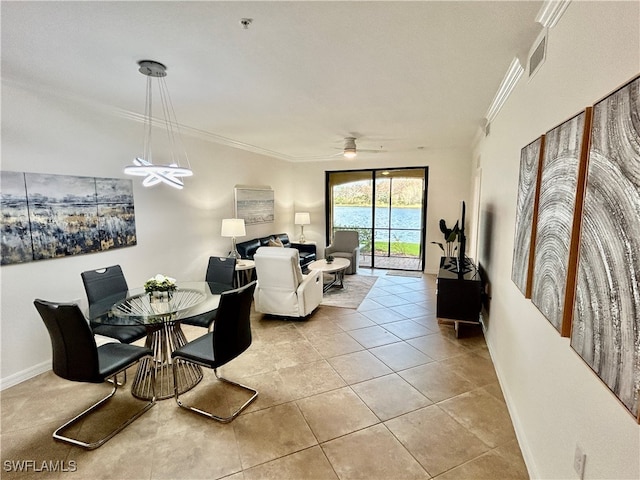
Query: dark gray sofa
pixel 307 251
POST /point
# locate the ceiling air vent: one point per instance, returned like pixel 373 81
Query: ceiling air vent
pixel 538 54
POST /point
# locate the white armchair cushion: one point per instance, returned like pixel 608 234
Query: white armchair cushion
pixel 282 289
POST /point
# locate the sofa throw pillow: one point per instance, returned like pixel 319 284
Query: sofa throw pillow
pixel 275 242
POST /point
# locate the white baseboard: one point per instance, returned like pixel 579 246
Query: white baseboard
pixel 19 377
pixel 515 418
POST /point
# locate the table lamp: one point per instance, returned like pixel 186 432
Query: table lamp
pixel 302 219
pixel 233 227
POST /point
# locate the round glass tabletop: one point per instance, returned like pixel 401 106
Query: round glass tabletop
pixel 137 308
pixel 151 305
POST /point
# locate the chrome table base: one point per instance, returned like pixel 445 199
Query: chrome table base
pixel 163 339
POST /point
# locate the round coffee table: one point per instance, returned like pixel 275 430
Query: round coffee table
pixel 337 268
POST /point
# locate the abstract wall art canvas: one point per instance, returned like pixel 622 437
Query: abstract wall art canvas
pixel 50 216
pixel 255 204
pixel 526 216
pixel 606 316
pixel 564 156
pixel 16 234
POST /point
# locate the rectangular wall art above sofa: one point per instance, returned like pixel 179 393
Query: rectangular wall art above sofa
pixel 50 216
pixel 254 204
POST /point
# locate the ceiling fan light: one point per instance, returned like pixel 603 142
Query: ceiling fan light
pixel 350 153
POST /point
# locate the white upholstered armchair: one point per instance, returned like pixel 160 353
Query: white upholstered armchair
pixel 282 288
pixel 346 244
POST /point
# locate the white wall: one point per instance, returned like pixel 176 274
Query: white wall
pixel 555 400
pixel 177 230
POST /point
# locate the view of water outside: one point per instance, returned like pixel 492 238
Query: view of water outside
pixel 402 228
pixel 397 223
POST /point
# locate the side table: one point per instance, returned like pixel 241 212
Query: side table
pixel 244 272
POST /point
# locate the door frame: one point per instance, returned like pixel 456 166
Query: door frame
pixel 373 176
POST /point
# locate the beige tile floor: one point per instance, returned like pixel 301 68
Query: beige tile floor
pixel 384 392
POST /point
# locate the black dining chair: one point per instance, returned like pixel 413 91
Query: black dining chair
pixel 77 358
pixel 220 275
pixel 231 335
pixel 104 287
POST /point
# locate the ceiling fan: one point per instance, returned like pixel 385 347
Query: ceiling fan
pixel 350 150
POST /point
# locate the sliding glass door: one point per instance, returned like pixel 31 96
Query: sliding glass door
pixel 387 207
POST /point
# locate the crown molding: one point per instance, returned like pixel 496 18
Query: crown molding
pixel 45 90
pixel 509 82
pixel 551 11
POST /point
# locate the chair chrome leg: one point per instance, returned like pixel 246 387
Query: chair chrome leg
pixel 208 414
pixel 57 435
pixel 115 379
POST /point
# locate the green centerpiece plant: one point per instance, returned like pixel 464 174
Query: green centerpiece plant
pixel 160 283
pixel 160 290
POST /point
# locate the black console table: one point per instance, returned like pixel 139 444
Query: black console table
pixel 459 294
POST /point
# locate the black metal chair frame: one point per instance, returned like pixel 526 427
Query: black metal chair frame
pixel 62 347
pixel 227 311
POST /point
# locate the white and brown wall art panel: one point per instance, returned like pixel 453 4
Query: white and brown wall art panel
pixel 606 312
pixel 562 170
pixel 526 211
pixel 50 216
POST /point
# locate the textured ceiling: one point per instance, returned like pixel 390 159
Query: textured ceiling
pixel 396 75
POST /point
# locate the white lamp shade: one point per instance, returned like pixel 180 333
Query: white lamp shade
pixel 303 218
pixel 233 227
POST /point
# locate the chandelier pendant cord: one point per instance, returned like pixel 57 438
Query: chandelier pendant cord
pixel 148 115
pixel 173 128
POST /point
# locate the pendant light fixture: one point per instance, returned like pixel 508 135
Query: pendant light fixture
pixel 172 173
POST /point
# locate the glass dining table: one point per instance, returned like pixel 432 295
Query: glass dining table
pixel 162 318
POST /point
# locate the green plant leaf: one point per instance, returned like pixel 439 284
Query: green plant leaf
pixel 439 244
pixel 443 227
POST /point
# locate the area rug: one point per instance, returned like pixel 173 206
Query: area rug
pixel 355 289
pixel 404 273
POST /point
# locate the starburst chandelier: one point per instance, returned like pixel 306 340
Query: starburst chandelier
pixel 143 166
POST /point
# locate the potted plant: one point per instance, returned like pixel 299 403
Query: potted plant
pixel 329 259
pixel 450 236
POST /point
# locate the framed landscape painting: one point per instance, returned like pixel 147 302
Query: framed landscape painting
pixel 606 312
pixel 526 215
pixel 555 253
pixel 254 204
